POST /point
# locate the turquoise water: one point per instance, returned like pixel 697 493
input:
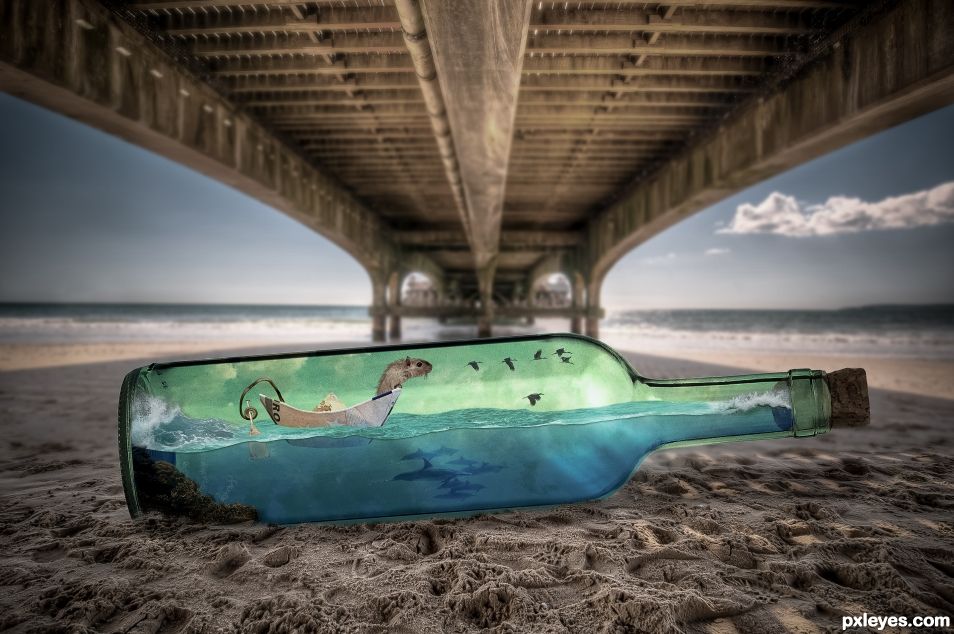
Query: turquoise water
pixel 456 462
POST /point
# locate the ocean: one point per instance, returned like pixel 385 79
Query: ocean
pixel 897 331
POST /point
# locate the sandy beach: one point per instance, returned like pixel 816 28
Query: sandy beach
pixel 753 537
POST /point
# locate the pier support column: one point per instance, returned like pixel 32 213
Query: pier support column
pixel 394 327
pixel 485 284
pixel 579 303
pixel 593 310
pixel 394 302
pixel 378 308
pixel 592 326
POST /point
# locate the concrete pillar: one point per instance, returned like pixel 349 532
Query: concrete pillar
pixel 576 325
pixel 579 303
pixel 592 326
pixel 485 324
pixel 394 302
pixel 485 283
pixel 378 308
pixel 593 310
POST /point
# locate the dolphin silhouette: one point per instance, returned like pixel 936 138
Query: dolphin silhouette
pixel 427 472
pixel 452 483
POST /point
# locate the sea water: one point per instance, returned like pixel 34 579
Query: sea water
pixel 896 331
pixel 460 461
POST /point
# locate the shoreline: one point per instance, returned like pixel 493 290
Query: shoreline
pixel 923 377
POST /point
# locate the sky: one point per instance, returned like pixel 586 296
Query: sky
pixel 88 217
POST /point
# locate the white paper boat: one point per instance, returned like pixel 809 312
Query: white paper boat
pixel 371 413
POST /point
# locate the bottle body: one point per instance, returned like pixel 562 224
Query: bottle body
pixel 371 435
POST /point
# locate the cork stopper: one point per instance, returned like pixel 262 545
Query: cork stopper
pixel 849 397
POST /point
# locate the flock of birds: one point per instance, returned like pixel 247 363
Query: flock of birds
pixel 562 353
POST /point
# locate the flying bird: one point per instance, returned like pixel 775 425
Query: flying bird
pixel 533 398
pixel 475 365
pixel 509 362
pixel 561 351
pixel 538 355
pixel 566 360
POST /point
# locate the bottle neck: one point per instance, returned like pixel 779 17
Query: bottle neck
pixel 747 407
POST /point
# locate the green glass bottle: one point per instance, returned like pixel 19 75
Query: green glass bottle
pixel 455 428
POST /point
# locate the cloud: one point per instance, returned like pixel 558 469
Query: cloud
pixel 718 251
pixel 784 215
pixel 660 259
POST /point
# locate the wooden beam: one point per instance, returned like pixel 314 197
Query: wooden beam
pixel 658 66
pixel 370 65
pixel 767 5
pixel 322 105
pixel 404 84
pixel 616 44
pixel 193 5
pixel 348 44
pixel 641 20
pixel 679 85
pixel 327 20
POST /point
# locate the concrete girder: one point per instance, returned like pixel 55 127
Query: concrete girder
pixel 513 239
pixel 478 50
pixel 419 49
pixel 472 53
pixel 77 58
pixel 855 86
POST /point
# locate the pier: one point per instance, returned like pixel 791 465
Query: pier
pixel 486 147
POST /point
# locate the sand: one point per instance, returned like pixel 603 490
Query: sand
pixel 752 537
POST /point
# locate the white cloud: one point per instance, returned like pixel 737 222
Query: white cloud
pixel 784 215
pixel 718 251
pixel 660 259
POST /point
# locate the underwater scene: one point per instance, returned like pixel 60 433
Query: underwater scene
pixel 384 434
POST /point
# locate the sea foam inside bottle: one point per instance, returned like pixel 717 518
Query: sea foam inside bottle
pixel 447 428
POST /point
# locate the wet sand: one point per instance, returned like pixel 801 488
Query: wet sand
pixel 752 537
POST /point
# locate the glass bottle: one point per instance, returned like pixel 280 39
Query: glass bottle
pixel 459 428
